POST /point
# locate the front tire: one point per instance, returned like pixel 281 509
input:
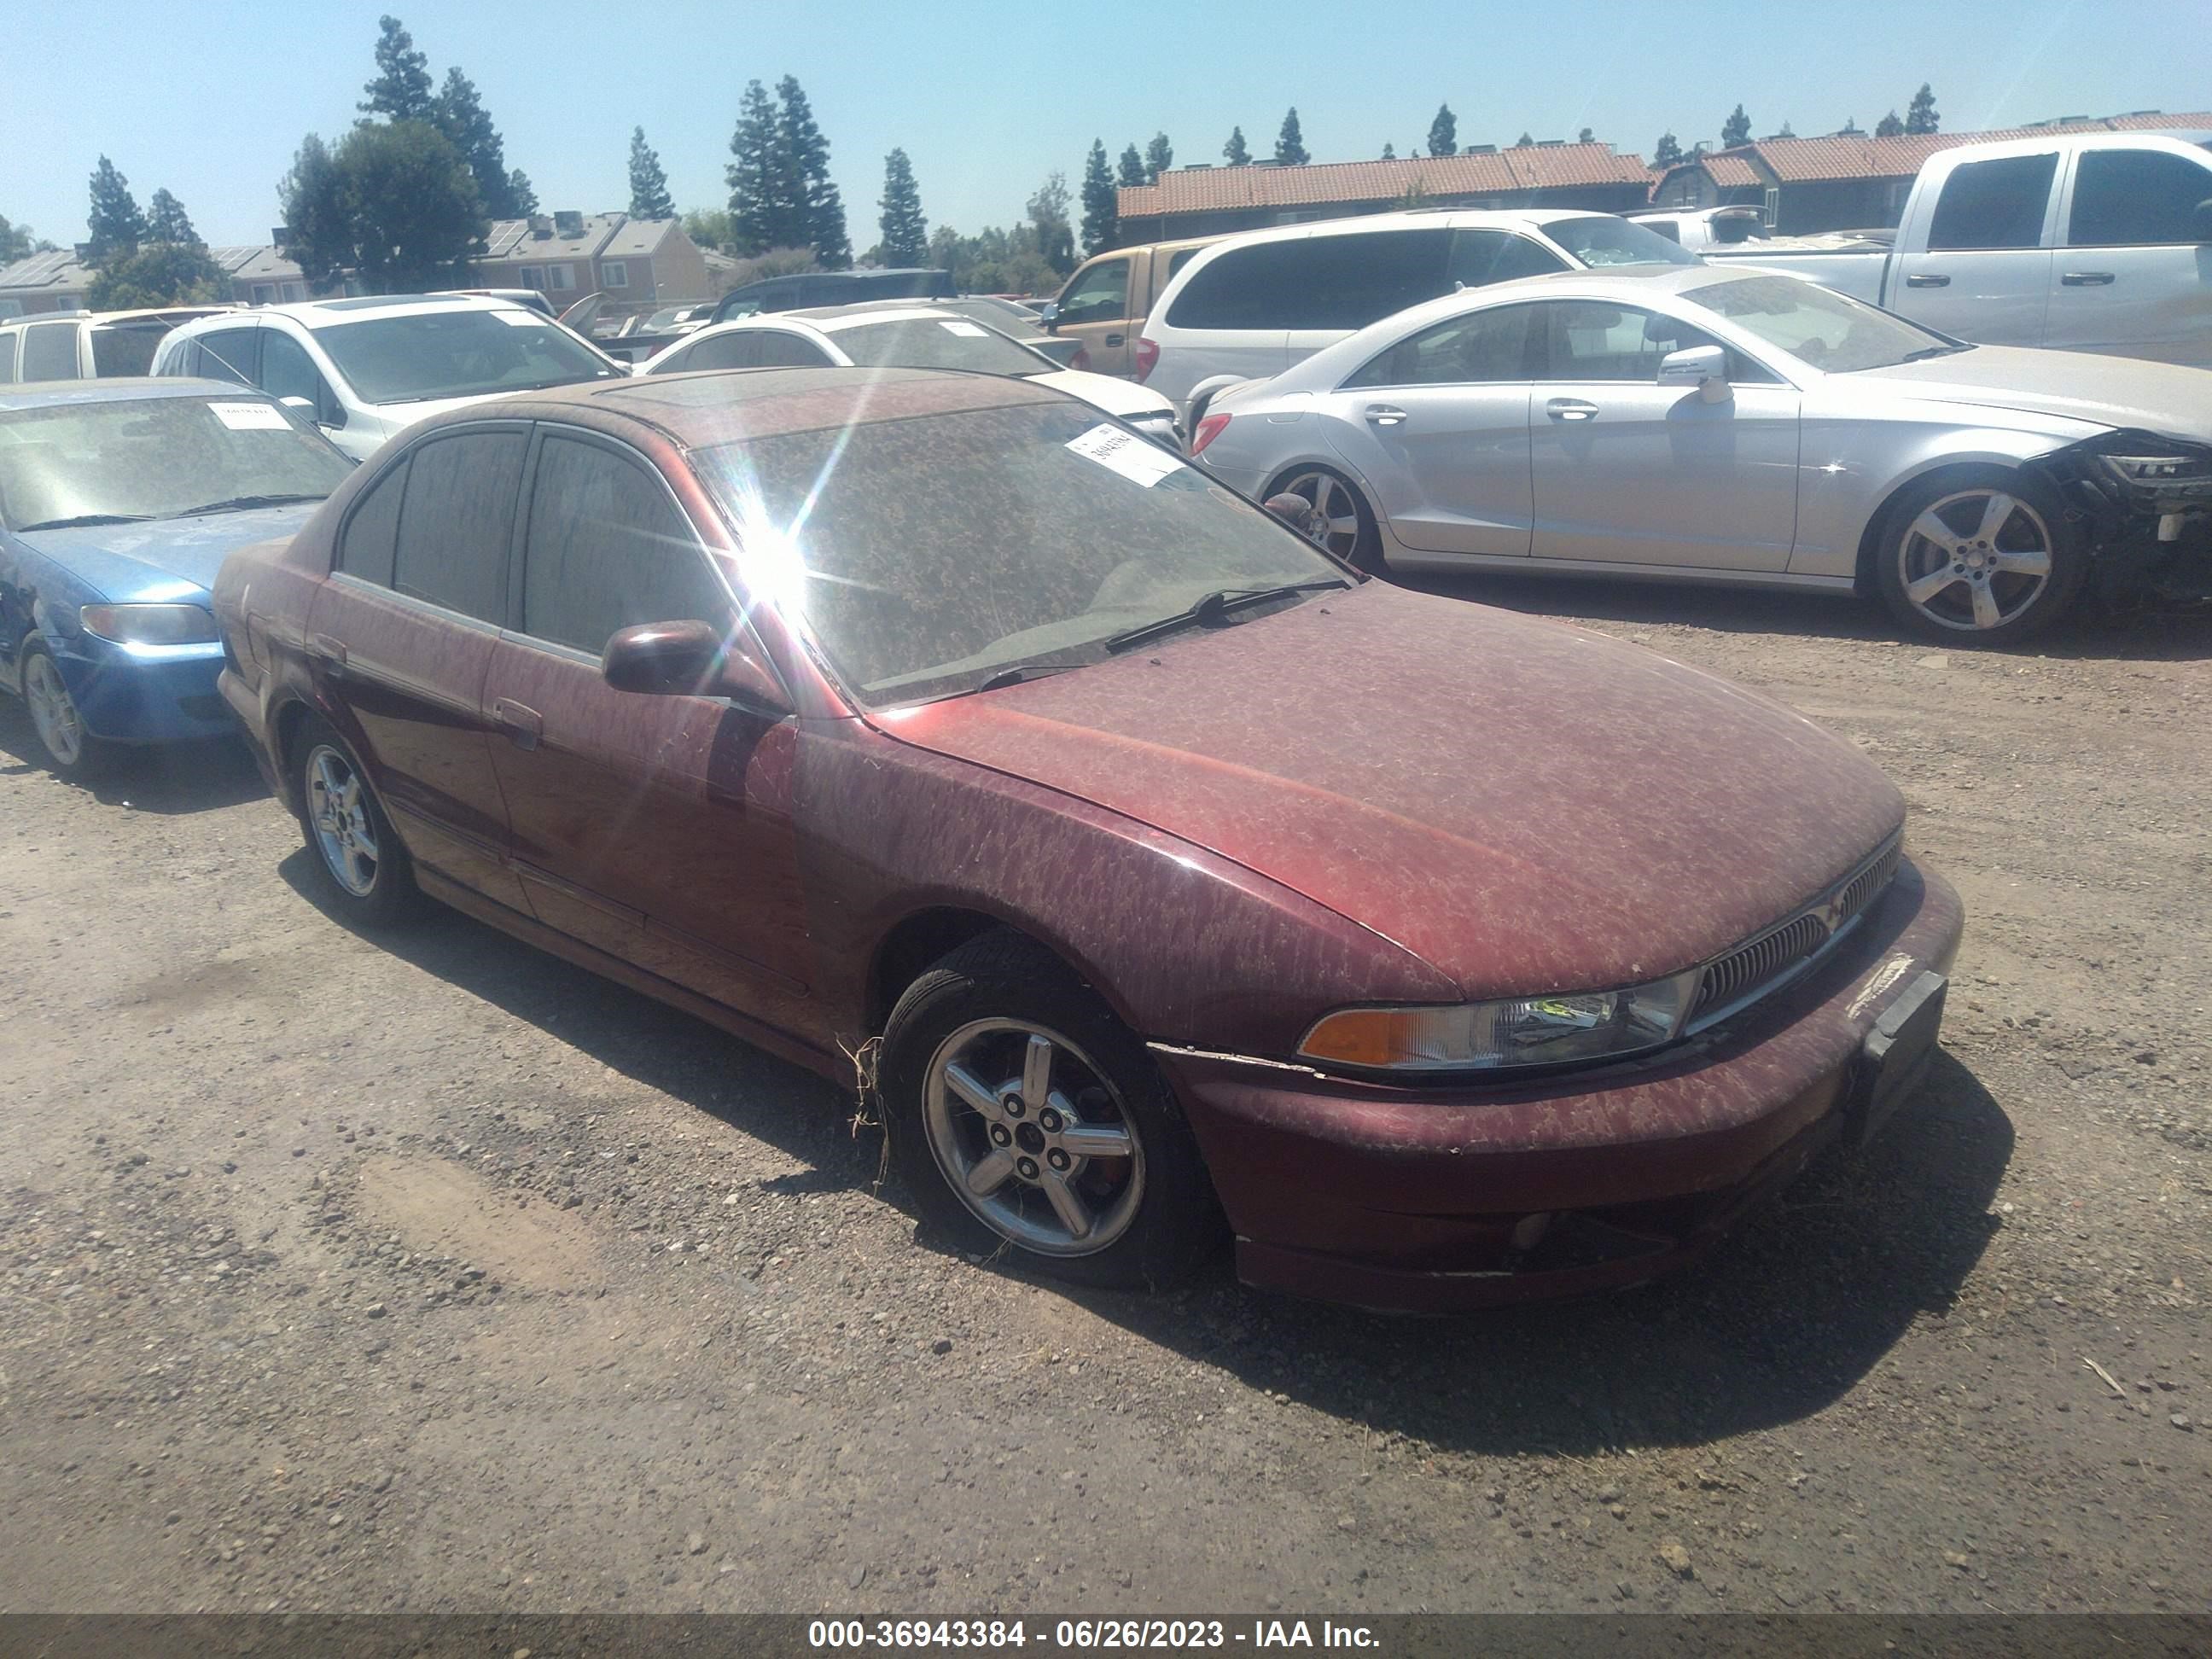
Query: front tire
pixel 1023 1115
pixel 1980 558
pixel 363 873
pixel 1346 526
pixel 71 751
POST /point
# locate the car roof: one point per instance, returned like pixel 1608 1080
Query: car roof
pixel 319 313
pixel 146 313
pixel 1405 219
pixel 122 389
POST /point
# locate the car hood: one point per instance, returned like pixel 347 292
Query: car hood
pixel 1527 806
pixel 2076 385
pixel 1120 398
pixel 159 561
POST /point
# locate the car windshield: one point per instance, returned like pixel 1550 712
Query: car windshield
pixel 1601 241
pixel 422 354
pixel 935 343
pixel 927 555
pixel 1816 324
pixel 155 457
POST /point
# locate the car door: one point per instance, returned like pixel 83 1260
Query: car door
pixel 1094 308
pixel 1437 425
pixel 2134 268
pixel 649 827
pixel 402 633
pixel 1985 271
pixel 1623 471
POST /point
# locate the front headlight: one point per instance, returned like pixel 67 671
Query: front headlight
pixel 1488 1036
pixel 148 624
pixel 2159 469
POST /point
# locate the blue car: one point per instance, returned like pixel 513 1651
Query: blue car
pixel 118 500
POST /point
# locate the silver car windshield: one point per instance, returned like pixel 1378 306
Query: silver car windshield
pixel 936 343
pixel 926 555
pixel 424 354
pixel 156 457
pixel 1815 324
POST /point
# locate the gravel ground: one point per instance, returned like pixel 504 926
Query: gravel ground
pixel 440 1275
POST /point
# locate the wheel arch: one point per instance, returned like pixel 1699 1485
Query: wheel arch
pixel 1961 469
pixel 910 945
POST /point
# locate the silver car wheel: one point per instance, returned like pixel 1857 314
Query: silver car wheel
pixel 53 711
pixel 1975 559
pixel 337 807
pixel 1032 1138
pixel 1336 524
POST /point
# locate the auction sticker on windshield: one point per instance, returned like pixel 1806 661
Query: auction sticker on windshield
pixel 250 417
pixel 1133 458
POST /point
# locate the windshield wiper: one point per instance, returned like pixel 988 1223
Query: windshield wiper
pixel 241 504
pixel 83 519
pixel 1211 608
pixel 1926 352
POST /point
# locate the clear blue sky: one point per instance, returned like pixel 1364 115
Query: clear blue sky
pixel 986 99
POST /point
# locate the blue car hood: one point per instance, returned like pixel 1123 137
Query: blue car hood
pixel 161 560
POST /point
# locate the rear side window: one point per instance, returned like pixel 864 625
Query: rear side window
pixel 606 549
pixel 1479 258
pixel 2136 198
pixel 1488 346
pixel 1994 204
pixel 738 350
pixel 780 349
pixel 125 349
pixel 228 354
pixel 372 531
pixel 49 351
pixel 456 521
pixel 1344 281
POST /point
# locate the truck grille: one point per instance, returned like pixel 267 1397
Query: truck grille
pixel 1771 959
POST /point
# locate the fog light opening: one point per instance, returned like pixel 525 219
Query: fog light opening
pixel 1528 1231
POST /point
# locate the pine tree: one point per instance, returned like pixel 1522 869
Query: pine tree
pixel 1737 129
pixel 521 194
pixel 818 210
pixel 1920 115
pixel 1235 152
pixel 1289 144
pixel 1159 156
pixel 401 90
pixel 648 184
pixel 906 233
pixel 759 212
pixel 1587 136
pixel 1101 206
pixel 115 222
pixel 1889 126
pixel 459 113
pixel 1667 152
pixel 1524 141
pixel 167 221
pixel 1443 132
pixel 1389 151
pixel 1048 211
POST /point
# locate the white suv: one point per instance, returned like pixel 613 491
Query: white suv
pixel 363 369
pixel 84 345
pixel 1250 306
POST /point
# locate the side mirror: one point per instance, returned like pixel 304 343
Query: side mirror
pixel 303 405
pixel 689 659
pixel 1702 367
pixel 1048 316
pixel 2201 220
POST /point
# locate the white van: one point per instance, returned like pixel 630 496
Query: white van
pixel 85 345
pixel 1250 306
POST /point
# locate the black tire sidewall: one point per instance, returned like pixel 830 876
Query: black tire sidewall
pixel 1006 976
pixel 393 896
pixel 97 754
pixel 2070 559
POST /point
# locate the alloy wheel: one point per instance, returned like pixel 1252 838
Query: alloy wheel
pixel 1337 515
pixel 337 807
pixel 53 711
pixel 1976 560
pixel 1032 1137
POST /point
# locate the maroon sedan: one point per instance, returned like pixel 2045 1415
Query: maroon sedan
pixel 1158 867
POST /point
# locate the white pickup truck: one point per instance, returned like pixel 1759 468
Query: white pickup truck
pixel 2086 242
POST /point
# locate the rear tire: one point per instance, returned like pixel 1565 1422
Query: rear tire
pixel 1349 529
pixel 1023 1116
pixel 1979 557
pixel 71 751
pixel 362 872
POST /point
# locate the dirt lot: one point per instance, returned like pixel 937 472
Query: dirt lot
pixel 441 1275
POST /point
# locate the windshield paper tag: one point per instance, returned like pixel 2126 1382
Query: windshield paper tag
pixel 1133 458
pixel 516 317
pixel 967 329
pixel 250 417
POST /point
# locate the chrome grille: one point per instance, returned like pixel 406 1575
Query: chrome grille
pixel 1768 960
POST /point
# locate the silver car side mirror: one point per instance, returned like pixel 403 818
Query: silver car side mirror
pixel 1704 367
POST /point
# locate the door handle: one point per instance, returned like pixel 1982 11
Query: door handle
pixel 1570 408
pixel 523 725
pixel 1385 414
pixel 1113 339
pixel 333 654
pixel 1921 279
pixel 2086 278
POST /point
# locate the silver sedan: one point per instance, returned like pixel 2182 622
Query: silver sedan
pixel 1697 424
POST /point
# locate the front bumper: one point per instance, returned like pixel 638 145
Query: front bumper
pixel 1433 1200
pixel 145 695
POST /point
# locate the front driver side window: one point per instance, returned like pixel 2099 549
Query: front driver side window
pixel 1100 295
pixel 1592 340
pixel 287 371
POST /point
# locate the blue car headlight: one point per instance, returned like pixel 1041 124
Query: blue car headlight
pixel 148 624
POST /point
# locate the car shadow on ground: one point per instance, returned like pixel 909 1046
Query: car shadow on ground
pixel 2174 636
pixel 169 779
pixel 1787 1315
